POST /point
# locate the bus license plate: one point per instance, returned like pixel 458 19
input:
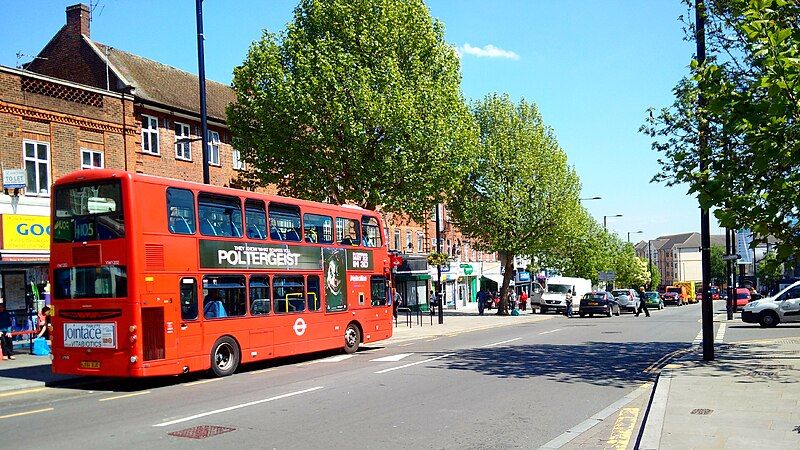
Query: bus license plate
pixel 90 364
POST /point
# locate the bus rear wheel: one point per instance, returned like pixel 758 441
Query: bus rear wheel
pixel 352 337
pixel 225 356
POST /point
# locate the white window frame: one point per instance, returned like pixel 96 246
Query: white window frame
pixel 147 132
pixel 409 242
pixel 238 163
pixel 183 151
pixel 91 159
pixel 36 161
pixel 398 244
pixel 420 242
pixel 213 148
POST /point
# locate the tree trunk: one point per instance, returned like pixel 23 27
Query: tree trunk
pixel 507 260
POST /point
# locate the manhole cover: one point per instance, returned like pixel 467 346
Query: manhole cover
pixel 201 432
pixel 702 411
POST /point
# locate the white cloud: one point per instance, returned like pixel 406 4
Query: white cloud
pixel 487 51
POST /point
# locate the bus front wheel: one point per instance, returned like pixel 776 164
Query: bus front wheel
pixel 225 356
pixel 352 337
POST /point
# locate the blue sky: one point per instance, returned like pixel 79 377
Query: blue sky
pixel 592 66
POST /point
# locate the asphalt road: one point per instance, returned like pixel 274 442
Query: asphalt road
pixel 515 386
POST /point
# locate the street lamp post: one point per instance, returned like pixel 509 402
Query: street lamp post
pixel 605 221
pixel 201 72
pixel 633 232
pixel 590 198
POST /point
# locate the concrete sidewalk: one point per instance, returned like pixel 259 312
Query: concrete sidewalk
pixel 748 398
pixel 28 371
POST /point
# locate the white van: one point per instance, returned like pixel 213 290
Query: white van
pixel 554 297
pixel 770 311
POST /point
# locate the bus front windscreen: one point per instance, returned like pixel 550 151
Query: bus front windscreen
pixel 88 212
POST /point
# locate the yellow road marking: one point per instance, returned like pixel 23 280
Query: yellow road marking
pixel 194 383
pixel 133 394
pixel 8 416
pixel 623 428
pixel 22 392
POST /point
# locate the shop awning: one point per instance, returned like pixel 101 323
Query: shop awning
pixel 412 276
pixel 497 278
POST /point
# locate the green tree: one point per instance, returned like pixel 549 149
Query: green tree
pixel 655 277
pixel 770 270
pixel 355 102
pixel 751 82
pixel 521 196
pixel 717 263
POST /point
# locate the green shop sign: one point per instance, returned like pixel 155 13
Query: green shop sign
pixel 245 255
pixel 467 269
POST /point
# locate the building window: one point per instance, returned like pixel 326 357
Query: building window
pixel 420 242
pixel 213 148
pixel 409 244
pixel 183 150
pixel 396 239
pixel 150 135
pixel 238 162
pixel 91 159
pixel 37 167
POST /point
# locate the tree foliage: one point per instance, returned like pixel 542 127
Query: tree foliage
pixel 717 263
pixel 521 196
pixel 355 102
pixel 751 81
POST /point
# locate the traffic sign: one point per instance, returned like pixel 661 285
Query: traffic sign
pixel 607 275
pixel 731 257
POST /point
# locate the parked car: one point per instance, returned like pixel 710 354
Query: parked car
pixel 628 299
pixel 598 302
pixel 672 298
pixel 770 311
pixel 742 297
pixel 653 300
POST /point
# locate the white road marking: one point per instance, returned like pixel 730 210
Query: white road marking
pixel 699 338
pixel 335 358
pixel 8 416
pixel 499 343
pixel 392 358
pixel 210 380
pixel 720 333
pixel 231 408
pixel 270 369
pixel 414 363
pixel 551 331
pixel 133 394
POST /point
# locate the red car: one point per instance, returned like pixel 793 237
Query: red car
pixel 742 297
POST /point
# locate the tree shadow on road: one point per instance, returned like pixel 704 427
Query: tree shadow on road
pixel 599 363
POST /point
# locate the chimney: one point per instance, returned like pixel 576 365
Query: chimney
pixel 78 19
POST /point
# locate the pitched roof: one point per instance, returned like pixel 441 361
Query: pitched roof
pixel 675 239
pixel 162 84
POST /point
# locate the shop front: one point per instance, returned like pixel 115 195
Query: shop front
pixel 24 258
pixel 459 284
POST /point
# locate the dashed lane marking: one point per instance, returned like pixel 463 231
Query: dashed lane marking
pixel 500 343
pixel 117 397
pixel 336 358
pixel 414 363
pixel 234 407
pixel 720 333
pixel 22 392
pixel 551 331
pixel 623 428
pixel 210 380
pixel 255 372
pixel 392 358
pixel 8 416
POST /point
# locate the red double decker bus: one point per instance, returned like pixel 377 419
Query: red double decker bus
pixel 154 276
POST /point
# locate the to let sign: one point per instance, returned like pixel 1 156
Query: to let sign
pixel 13 178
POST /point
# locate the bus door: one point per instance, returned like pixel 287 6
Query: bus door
pixel 190 329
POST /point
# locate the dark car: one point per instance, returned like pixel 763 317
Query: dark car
pixel 598 302
pixel 672 298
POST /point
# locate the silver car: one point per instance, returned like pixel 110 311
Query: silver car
pixel 627 299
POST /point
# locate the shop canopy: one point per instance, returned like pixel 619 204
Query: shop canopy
pixel 498 278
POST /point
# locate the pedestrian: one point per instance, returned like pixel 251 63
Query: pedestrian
pixel 482 294
pixel 433 302
pixel 642 303
pixel 5 333
pixel 568 301
pixel 396 301
pixel 523 300
pixel 44 323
